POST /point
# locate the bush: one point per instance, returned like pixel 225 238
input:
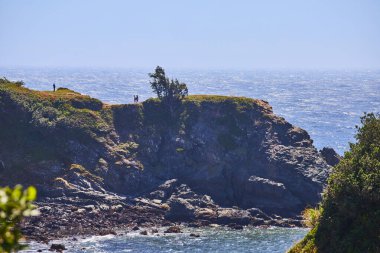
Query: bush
pixel 350 214
pixel 311 216
pixel 6 81
pixel 15 204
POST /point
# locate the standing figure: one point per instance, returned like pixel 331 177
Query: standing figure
pixel 54 87
pixel 137 98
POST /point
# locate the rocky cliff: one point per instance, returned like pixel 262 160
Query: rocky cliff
pixel 212 152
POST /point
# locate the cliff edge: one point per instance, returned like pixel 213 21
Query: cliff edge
pixel 212 152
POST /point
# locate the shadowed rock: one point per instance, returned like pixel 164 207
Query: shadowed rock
pixel 331 157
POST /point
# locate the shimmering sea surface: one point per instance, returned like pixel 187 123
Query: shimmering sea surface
pixel 328 104
pixel 276 240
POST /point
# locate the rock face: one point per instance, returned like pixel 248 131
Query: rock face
pixel 330 156
pixel 209 155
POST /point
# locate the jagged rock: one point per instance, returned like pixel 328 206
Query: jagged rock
pixel 180 209
pixel 257 213
pixel 205 213
pixel 57 247
pixel 165 190
pixel 173 229
pixel 117 208
pixel 331 157
pixel 235 226
pixel 144 232
pixel 233 216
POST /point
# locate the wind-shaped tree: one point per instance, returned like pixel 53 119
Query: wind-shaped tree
pixel 166 89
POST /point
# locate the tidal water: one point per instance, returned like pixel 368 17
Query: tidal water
pixel 328 104
pixel 270 240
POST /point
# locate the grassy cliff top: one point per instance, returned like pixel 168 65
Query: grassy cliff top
pixel 67 95
pixel 15 90
pixel 70 109
pixel 218 99
pixel 62 108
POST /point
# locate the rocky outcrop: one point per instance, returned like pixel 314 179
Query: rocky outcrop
pixel 215 159
pixel 331 157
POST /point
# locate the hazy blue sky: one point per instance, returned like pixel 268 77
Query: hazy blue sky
pixel 191 34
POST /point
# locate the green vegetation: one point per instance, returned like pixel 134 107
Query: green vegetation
pixel 4 81
pixel 15 204
pixel 61 109
pixel 82 171
pixel 169 92
pixel 349 217
pixel 166 89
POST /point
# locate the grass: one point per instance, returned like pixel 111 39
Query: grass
pixel 82 171
pixel 64 107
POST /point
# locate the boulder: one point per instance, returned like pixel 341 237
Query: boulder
pixel 57 247
pixel 257 213
pixel 331 157
pixel 144 232
pixel 233 216
pixel 180 209
pixel 173 229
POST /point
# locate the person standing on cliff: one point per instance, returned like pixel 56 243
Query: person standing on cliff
pixel 54 87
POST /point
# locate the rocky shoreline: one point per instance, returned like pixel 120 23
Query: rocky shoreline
pixel 58 221
pixel 109 214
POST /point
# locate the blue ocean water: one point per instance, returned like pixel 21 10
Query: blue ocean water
pixel 328 104
pixel 258 240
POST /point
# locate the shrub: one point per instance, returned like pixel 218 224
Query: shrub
pixel 311 216
pixel 6 81
pixel 15 204
pixel 350 218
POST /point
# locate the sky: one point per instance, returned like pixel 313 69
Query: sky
pixel 192 34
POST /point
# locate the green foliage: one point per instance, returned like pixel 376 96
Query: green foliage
pixel 63 108
pixel 350 217
pixel 82 171
pixel 166 89
pixel 6 81
pixel 15 204
pixel 33 122
pixel 311 216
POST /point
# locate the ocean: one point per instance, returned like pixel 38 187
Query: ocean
pixel 328 104
pixel 212 240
